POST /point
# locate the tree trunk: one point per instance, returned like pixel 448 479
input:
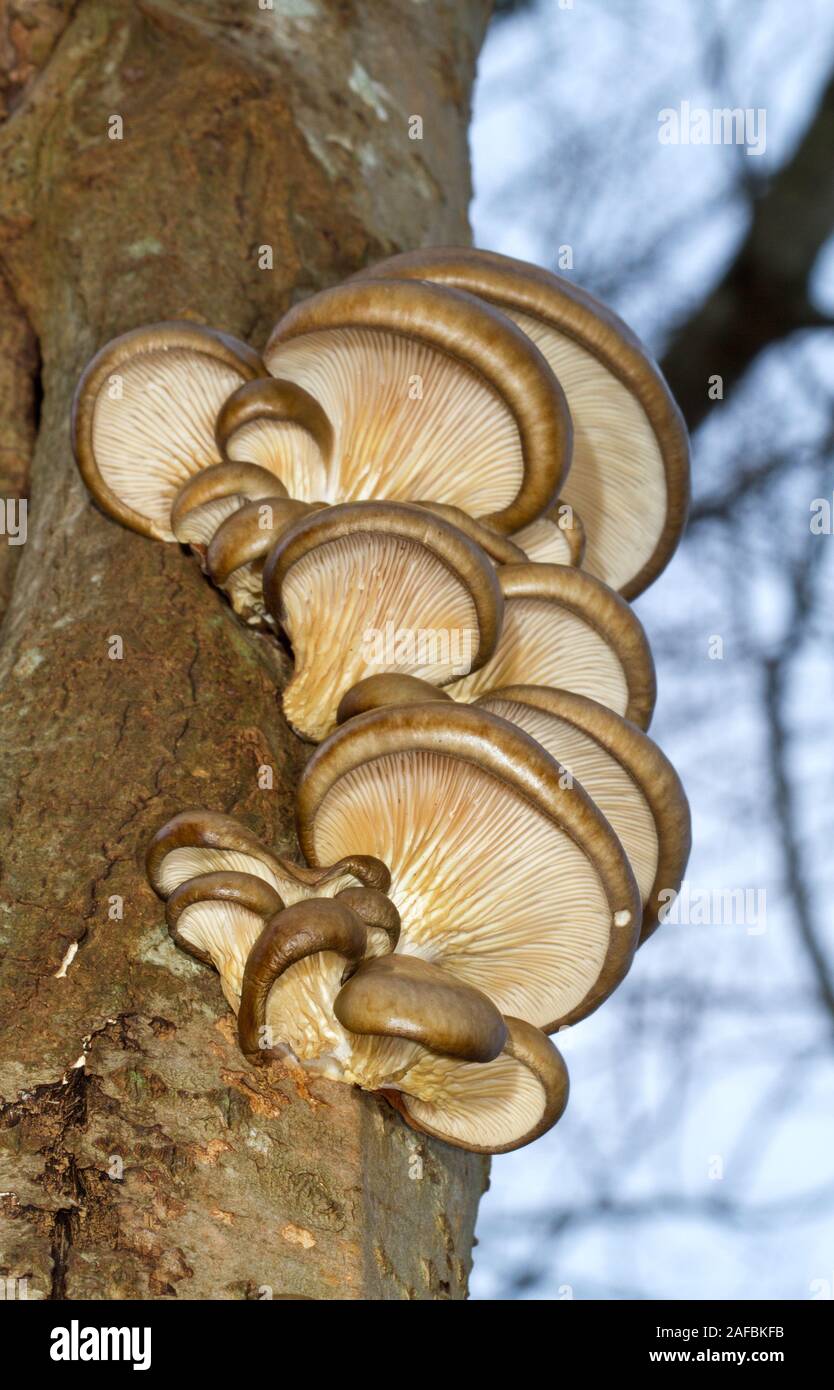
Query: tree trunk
pixel 140 1157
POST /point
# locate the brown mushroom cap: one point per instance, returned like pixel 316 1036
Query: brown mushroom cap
pixel 144 413
pixel 630 475
pixel 452 796
pixel 494 1108
pixel 388 688
pixel 488 429
pixel 372 585
pixel 218 917
pixel 623 770
pixel 215 494
pixel 202 842
pixel 499 548
pixel 405 997
pixel 239 546
pixel 282 427
pixel 565 629
pixel 305 929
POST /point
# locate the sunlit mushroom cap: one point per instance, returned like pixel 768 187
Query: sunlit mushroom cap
pixel 623 770
pixel 430 393
pixel 565 629
pixel 491 1108
pixel 144 415
pixel 629 479
pixel 377 586
pixel 459 802
pixel 280 426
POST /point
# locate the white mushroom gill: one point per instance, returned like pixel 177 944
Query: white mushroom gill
pixel 545 643
pixel 458 842
pixel 617 480
pixel 605 779
pixel 285 449
pixel 157 427
pixel 409 421
pixel 484 1106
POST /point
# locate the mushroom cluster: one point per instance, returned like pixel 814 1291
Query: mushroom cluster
pixel 441 485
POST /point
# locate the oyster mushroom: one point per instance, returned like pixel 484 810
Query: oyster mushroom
pixel 441 1053
pixel 280 426
pixel 623 770
pixel 144 414
pixel 430 393
pixel 630 475
pixel 373 586
pixel 490 1108
pixel 460 803
pixel 565 629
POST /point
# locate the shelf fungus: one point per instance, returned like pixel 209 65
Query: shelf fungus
pixel 431 394
pixel 377 586
pixel 561 628
pixel 630 475
pixel 439 486
pixel 144 416
pixel 462 805
pixel 630 780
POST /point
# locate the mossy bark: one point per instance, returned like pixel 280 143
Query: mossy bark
pixel 139 1155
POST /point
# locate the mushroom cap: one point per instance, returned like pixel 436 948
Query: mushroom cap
pixel 202 842
pixel 250 533
pixel 488 428
pixel 239 546
pixel 630 474
pixel 405 997
pixel 492 1108
pixel 566 629
pixel 623 770
pixel 311 928
pixel 218 917
pixel 282 427
pixel 136 448
pixel 368 586
pixel 214 494
pixel 456 799
pixel 499 548
pixel 555 538
pixel 387 688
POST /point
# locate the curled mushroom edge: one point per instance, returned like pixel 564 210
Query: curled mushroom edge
pixel 440 484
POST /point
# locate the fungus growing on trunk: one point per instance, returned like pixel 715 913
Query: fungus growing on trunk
pixel 376 586
pixel 630 475
pixel 144 415
pixel 623 770
pixel 455 800
pixel 430 394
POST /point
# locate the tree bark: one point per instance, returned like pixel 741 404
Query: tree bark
pixel 140 1157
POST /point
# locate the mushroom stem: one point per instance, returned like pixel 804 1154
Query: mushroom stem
pixel 319 924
